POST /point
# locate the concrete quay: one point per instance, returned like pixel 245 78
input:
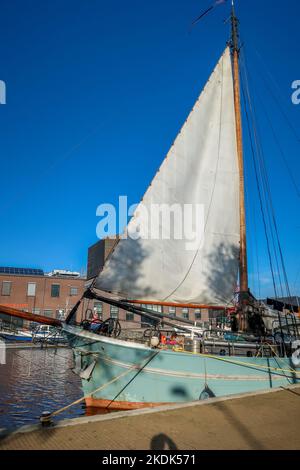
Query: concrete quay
pixel 268 420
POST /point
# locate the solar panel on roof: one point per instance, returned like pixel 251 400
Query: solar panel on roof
pixel 22 271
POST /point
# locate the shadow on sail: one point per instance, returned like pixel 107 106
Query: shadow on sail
pixel 124 271
pixel 223 271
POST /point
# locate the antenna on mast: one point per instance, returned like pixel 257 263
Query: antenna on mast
pixel 208 10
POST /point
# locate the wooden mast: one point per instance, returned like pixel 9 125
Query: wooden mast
pixel 243 271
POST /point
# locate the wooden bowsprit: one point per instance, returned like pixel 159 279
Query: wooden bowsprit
pixel 14 312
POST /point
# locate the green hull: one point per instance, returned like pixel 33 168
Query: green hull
pixel 130 373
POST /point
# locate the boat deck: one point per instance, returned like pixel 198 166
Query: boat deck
pixel 265 420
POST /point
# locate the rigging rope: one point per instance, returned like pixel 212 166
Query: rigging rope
pixel 276 370
pixel 273 227
pixel 80 400
pixel 256 251
pixel 274 95
pixel 259 190
pixel 281 151
pixel 274 221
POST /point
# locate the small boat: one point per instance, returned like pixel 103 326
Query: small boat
pixel 48 334
pixel 17 335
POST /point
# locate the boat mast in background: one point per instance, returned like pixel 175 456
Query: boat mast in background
pixel 234 44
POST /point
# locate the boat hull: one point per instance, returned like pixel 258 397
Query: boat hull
pixel 118 405
pixel 124 375
pixel 16 337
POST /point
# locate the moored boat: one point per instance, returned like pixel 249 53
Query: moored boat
pixel 148 376
pixel 203 170
pixel 17 335
pixel 204 166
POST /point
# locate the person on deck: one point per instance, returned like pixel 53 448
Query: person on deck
pixel 96 322
pixel 173 339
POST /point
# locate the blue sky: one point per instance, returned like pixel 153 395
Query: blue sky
pixel 96 93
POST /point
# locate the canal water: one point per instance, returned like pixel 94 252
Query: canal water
pixel 37 380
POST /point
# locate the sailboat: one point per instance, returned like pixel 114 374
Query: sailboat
pixel 205 166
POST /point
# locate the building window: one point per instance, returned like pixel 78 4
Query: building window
pixel 197 314
pixel 6 288
pixel 36 311
pixel 17 323
pixel 98 308
pixel 114 312
pixel 156 308
pixel 55 288
pixel 31 288
pixel 129 316
pixel 74 291
pixel 172 311
pixel 185 313
pixel 48 313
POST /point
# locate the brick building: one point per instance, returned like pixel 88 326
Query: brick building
pixel 97 255
pixel 33 291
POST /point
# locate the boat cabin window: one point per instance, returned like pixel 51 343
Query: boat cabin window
pixel 44 328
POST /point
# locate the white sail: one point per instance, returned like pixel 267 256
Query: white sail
pixel 200 168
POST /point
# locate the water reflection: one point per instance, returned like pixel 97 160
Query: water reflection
pixel 37 380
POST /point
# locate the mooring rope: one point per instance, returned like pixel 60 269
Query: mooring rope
pixel 76 402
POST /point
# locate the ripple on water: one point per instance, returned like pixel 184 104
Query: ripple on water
pixel 37 380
